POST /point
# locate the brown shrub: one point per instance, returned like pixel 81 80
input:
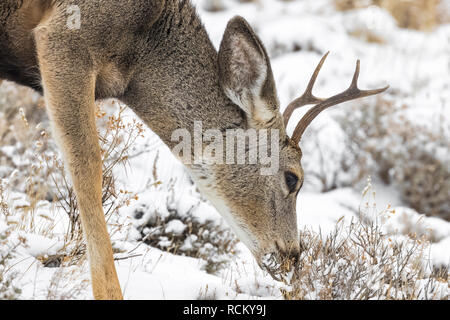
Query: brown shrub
pixel 183 233
pixel 30 162
pixel 358 262
pixel 410 14
pixel 402 152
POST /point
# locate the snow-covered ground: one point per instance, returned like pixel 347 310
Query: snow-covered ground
pixel 296 33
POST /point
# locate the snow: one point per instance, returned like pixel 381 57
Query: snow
pixel 176 227
pixel 296 34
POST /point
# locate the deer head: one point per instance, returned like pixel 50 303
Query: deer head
pixel 262 208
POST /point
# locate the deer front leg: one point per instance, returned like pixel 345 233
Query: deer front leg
pixel 69 86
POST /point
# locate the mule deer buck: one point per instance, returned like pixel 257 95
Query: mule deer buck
pixel 156 57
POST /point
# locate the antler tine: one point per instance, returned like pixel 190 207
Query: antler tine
pixel 353 92
pixel 307 97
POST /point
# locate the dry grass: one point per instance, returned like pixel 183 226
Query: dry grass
pixel 33 173
pixel 35 166
pixel 358 261
pixel 411 14
pixel 199 238
pixel 116 140
pixel 9 289
pixel 67 283
pixel 403 153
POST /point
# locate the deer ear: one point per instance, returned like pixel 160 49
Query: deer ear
pixel 245 73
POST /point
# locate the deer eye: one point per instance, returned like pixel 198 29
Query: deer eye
pixel 291 181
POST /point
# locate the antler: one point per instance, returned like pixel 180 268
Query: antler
pixel 307 97
pixel 353 92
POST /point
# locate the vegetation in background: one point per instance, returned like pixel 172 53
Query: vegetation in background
pixel 412 157
pixel 411 14
pixel 9 289
pixel 360 261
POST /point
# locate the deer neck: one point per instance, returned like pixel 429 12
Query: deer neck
pixel 178 82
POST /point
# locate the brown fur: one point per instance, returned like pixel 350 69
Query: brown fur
pixel 157 58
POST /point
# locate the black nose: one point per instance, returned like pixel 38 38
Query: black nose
pixel 290 252
pixel 294 257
